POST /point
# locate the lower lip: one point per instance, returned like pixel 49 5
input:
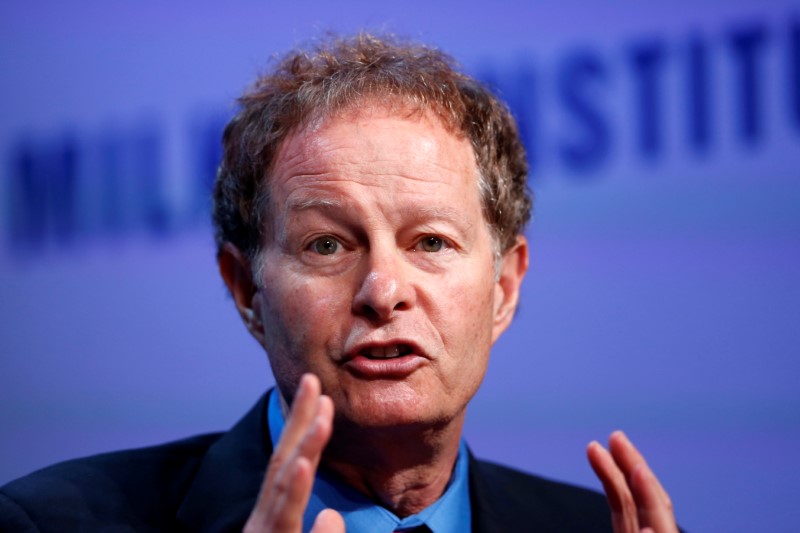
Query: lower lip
pixel 395 368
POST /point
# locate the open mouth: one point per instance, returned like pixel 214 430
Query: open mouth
pixel 386 352
pixel 392 361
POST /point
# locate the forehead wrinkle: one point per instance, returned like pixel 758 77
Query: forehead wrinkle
pixel 435 213
pixel 312 155
pixel 306 200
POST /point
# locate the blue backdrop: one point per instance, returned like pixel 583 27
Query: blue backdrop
pixel 664 293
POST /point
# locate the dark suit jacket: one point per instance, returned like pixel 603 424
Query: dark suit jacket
pixel 210 483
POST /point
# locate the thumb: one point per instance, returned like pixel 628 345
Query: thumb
pixel 328 521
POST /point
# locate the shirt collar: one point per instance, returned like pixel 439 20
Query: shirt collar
pixel 448 514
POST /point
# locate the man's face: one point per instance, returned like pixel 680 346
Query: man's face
pixel 379 275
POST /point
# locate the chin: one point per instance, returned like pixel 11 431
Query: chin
pixel 392 409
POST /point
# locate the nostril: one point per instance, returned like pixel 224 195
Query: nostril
pixel 401 306
pixel 369 311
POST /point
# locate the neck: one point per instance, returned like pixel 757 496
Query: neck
pixel 403 469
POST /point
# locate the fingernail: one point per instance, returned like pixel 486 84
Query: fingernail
pixel 620 434
pixel 303 385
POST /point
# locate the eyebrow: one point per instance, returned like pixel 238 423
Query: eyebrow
pixel 295 205
pixel 302 204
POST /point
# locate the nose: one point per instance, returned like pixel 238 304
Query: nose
pixel 385 287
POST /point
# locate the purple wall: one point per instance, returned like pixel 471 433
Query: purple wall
pixel 664 293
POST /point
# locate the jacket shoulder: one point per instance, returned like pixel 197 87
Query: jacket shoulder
pixel 136 489
pixel 504 498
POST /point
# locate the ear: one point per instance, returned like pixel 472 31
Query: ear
pixel 513 266
pixel 235 270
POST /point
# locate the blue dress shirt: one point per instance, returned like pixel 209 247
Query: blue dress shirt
pixel 449 514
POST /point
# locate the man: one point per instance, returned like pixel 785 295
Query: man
pixel 369 215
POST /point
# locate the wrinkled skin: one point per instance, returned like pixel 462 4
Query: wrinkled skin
pixel 379 245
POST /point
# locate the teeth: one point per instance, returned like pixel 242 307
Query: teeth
pixel 383 352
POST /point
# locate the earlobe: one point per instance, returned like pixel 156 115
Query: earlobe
pixel 234 267
pixel 513 267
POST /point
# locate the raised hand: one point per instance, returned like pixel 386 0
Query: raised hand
pixel 638 502
pixel 290 475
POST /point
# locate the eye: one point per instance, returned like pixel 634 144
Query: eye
pixel 325 245
pixel 431 243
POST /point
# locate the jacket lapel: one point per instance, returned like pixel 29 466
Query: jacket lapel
pixel 228 481
pixel 490 508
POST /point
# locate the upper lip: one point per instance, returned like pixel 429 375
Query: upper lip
pixel 361 347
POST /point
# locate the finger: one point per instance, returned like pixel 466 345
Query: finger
pixel 293 482
pixel 301 417
pixel 653 503
pixel 318 434
pixel 328 521
pixel 287 484
pixel 620 499
pixel 628 457
pixel 283 512
pixel 292 491
pixel 624 453
pixel 316 437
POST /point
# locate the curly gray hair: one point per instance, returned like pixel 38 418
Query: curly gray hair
pixel 338 74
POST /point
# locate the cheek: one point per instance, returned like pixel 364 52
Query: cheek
pixel 300 317
pixel 465 322
pixel 290 321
